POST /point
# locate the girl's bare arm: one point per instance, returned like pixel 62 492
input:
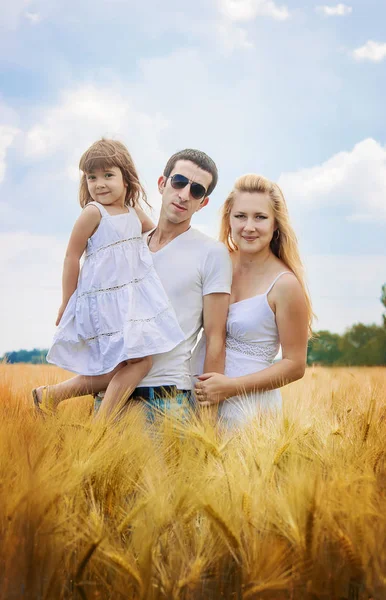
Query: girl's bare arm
pixel 84 227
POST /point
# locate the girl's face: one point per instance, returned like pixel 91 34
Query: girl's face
pixel 107 186
pixel 252 221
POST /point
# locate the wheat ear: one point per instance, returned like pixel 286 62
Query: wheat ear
pixel 222 525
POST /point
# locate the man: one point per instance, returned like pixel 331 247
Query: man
pixel 196 273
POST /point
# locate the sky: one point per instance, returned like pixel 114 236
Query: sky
pixel 291 90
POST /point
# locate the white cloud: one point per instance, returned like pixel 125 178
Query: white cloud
pixel 247 10
pixel 232 37
pixel 340 10
pixel 363 218
pixel 30 271
pixel 345 289
pixel 86 113
pixel 7 135
pixel 11 12
pixel 62 131
pixel 33 18
pixel 373 51
pixel 356 179
pixel 10 216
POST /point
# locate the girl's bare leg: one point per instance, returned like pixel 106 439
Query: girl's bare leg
pixel 80 385
pixel 123 384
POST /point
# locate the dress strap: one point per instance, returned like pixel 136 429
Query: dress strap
pixel 100 207
pixel 275 280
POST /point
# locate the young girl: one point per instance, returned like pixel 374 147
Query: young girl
pixel 115 313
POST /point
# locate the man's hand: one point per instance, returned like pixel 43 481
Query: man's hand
pixel 214 388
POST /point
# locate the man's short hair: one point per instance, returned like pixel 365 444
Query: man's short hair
pixel 200 159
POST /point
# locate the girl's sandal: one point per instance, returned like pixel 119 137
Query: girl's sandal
pixel 47 404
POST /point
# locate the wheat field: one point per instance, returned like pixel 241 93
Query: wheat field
pixel 292 507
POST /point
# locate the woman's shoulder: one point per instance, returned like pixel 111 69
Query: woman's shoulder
pixel 286 286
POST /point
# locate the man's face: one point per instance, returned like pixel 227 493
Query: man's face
pixel 178 205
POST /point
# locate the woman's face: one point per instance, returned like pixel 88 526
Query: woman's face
pixel 252 221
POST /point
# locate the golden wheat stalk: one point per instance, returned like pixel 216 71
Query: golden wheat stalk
pixel 279 453
pixel 193 577
pixel 368 419
pixel 229 535
pixel 278 585
pixel 119 560
pixel 377 460
pixel 132 514
pixel 246 505
pixel 83 564
pixel 209 445
pixel 350 552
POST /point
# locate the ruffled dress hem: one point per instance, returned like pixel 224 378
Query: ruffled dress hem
pixel 125 356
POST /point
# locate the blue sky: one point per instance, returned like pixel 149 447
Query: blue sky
pixel 293 90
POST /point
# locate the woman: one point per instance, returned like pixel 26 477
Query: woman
pixel 269 305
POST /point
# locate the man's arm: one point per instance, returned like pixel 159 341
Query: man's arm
pixel 214 316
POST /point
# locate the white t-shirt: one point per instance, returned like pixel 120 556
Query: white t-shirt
pixel 191 266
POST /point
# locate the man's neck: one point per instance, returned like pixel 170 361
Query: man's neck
pixel 165 232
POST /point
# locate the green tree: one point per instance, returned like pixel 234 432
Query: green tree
pixel 35 356
pixel 324 348
pixel 363 345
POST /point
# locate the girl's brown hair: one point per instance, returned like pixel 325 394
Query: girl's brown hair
pixel 284 243
pixel 105 154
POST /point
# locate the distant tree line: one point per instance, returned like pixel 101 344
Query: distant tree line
pixel 35 356
pixel 360 345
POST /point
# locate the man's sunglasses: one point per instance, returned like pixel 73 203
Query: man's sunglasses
pixel 180 181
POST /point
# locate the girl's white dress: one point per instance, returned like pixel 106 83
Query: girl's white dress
pixel 252 343
pixel 120 309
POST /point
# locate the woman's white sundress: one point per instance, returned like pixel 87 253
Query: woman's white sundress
pixel 252 343
pixel 120 309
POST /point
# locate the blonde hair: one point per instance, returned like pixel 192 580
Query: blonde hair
pixel 284 245
pixel 105 154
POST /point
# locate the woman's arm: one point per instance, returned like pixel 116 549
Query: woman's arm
pixel 147 223
pixel 83 229
pixel 290 310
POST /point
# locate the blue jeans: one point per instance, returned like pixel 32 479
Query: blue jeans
pixel 158 400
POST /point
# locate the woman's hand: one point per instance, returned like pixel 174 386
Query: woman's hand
pixel 213 388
